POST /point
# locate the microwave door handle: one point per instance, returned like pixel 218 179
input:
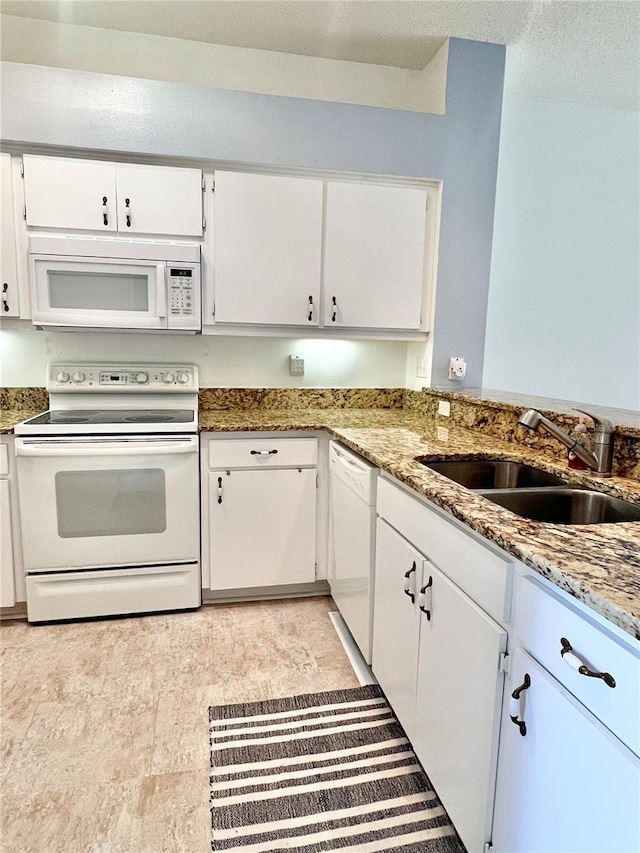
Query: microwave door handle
pixel 46 449
pixel 161 285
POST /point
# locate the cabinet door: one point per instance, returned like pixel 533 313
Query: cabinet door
pixel 159 200
pixel 568 785
pixel 458 704
pixel 268 238
pixel 262 531
pixel 67 193
pixel 7 581
pixel 9 269
pixel 396 622
pixel 374 256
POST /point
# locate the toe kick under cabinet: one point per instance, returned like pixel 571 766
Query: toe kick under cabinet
pixel 442 600
pixel 259 505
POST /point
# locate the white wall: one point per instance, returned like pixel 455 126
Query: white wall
pixel 564 298
pixel 223 361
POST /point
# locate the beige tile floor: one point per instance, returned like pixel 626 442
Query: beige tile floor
pixel 104 725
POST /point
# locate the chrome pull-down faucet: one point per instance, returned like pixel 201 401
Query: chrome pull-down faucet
pixel 600 460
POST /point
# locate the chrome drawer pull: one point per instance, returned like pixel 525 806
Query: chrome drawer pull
pixel 407 582
pixel 514 705
pixel 569 656
pixel 219 490
pixel 262 452
pixel 422 601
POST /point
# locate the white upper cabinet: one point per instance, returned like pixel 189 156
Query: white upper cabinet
pixel 93 195
pixel 159 200
pixel 8 257
pixel 74 194
pixel 309 252
pixel 267 255
pixel 374 256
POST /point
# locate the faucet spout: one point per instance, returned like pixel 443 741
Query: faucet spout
pixel 599 462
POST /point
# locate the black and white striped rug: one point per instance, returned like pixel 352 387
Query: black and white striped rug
pixel 323 771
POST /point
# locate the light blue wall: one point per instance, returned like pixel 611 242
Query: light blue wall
pixel 564 303
pixel 85 110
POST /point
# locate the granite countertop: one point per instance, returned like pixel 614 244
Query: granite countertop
pixel 598 564
pixel 10 417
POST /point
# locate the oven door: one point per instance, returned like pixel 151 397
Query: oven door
pixel 99 293
pixel 108 502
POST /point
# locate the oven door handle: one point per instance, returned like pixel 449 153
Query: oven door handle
pixel 51 449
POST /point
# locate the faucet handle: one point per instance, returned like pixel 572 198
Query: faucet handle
pixel 602 424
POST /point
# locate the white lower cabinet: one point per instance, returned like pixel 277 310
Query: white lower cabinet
pixel 396 621
pixel 567 785
pixel 438 654
pixel 260 512
pixel 7 576
pixel 458 701
pixel 569 771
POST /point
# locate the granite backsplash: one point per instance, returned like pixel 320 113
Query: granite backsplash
pixel 482 412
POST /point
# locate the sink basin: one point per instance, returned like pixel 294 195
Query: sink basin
pixel 565 506
pixel 492 473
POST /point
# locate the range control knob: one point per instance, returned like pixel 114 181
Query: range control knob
pixel 183 378
pixel 168 378
pixel 78 376
pixel 141 378
pixel 63 376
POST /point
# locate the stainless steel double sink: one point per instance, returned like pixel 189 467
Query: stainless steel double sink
pixel 534 493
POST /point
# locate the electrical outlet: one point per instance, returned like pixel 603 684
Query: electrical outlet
pixel 421 368
pixel 444 408
pixel 296 365
pixel 457 368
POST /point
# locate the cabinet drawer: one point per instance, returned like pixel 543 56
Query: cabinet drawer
pixel 485 576
pixel 4 460
pixel 543 620
pixel 262 452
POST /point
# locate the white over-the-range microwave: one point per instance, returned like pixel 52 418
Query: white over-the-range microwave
pixel 102 283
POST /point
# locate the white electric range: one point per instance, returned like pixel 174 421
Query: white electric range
pixel 109 494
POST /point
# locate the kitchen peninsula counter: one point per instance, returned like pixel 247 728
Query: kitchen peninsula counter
pixel 597 564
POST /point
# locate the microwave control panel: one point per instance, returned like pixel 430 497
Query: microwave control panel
pixel 181 291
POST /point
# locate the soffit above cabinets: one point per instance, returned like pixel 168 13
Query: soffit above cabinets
pixel 572 50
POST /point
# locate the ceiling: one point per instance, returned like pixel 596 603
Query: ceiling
pixel 404 33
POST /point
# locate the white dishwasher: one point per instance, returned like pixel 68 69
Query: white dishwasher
pixel 353 528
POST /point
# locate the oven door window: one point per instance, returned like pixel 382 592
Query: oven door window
pixel 98 291
pixel 120 502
